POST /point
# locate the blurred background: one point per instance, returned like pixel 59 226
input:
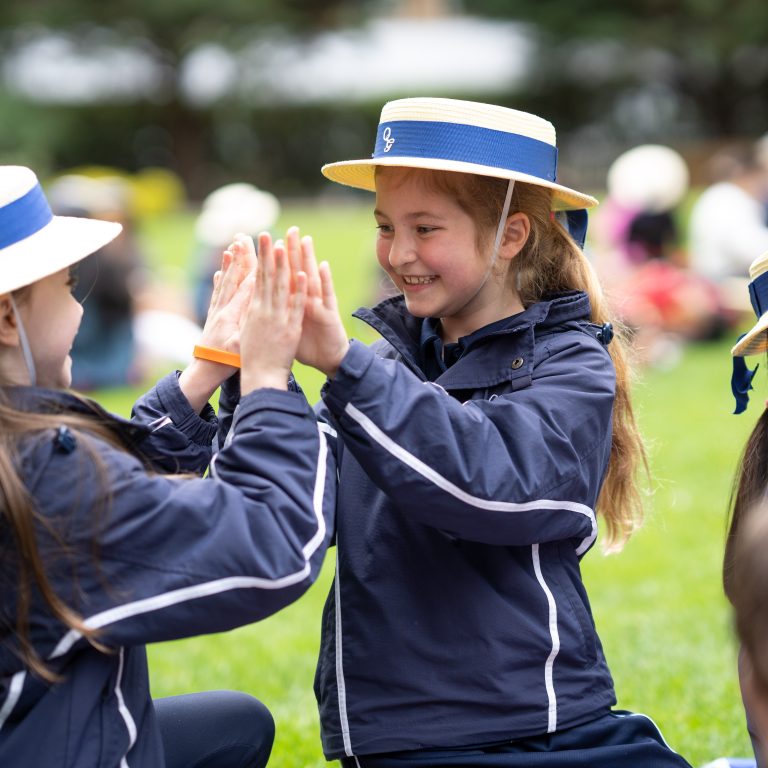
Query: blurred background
pixel 190 120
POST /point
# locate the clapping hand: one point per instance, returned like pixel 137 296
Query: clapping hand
pixel 324 340
pixel 271 328
pixel 233 286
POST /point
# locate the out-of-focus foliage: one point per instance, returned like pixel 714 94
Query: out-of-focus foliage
pixel 608 74
pixel 709 56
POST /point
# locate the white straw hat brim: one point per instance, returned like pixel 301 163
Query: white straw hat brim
pixel 755 342
pixel 61 243
pixel 361 175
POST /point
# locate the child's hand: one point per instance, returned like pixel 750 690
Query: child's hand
pixel 324 340
pixel 232 289
pixel 271 328
pixel 231 295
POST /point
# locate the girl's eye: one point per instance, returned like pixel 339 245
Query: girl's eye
pixel 424 230
pixel 384 229
pixel 73 280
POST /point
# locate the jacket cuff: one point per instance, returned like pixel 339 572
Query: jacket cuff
pixel 354 366
pixel 199 428
pixel 272 399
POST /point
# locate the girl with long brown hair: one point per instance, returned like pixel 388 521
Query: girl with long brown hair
pixel 110 538
pixel 481 442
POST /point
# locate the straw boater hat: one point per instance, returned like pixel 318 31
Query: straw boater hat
pixel 755 341
pixel 464 136
pixel 33 242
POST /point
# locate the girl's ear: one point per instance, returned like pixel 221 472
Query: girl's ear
pixel 516 234
pixel 9 332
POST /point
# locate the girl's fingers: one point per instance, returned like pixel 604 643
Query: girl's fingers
pixel 216 289
pixel 326 283
pixel 298 300
pixel 247 251
pixel 267 272
pixel 282 281
pixel 309 266
pixel 294 249
pixel 242 298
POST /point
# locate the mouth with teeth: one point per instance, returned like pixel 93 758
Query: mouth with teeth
pixel 418 279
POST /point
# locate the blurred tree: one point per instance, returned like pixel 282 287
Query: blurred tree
pixel 702 63
pixel 176 132
pixel 613 73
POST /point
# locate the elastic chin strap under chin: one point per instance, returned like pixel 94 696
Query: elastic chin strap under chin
pixel 25 348
pixel 503 220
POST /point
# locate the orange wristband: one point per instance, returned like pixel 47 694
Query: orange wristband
pixel 216 355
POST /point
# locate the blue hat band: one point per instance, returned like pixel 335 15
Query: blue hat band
pixel 467 144
pixel 758 294
pixel 23 217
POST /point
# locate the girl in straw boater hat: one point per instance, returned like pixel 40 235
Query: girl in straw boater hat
pixel 103 548
pixel 480 442
pixel 748 499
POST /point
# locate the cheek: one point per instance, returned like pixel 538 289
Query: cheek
pixel 382 254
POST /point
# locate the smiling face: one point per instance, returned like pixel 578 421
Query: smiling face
pixel 51 317
pixel 432 250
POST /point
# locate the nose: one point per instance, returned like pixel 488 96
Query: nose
pixel 401 251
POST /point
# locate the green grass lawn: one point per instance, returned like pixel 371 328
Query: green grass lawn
pixel 658 605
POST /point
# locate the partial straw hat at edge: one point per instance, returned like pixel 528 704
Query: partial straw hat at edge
pixel 463 136
pixel 33 242
pixel 755 341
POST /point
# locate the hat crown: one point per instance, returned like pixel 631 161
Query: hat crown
pixel 15 182
pixel 758 267
pixel 456 111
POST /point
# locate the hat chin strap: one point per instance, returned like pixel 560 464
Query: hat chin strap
pixel 24 342
pixel 503 220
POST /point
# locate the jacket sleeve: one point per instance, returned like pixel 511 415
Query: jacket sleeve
pixel 176 557
pixel 179 439
pixel 520 468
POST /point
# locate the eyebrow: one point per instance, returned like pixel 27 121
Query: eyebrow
pixel 414 215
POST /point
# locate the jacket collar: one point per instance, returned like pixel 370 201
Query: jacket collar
pixel 53 401
pixel 481 366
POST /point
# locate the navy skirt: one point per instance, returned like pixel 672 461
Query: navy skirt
pixel 616 740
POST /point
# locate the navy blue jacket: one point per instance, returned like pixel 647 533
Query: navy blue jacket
pixel 167 558
pixel 458 615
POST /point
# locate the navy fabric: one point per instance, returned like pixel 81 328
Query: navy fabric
pixel 758 294
pixel 615 740
pixel 465 504
pixel 153 558
pixel 215 729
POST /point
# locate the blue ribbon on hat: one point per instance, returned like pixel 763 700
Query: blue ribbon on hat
pixel 741 381
pixel 466 144
pixel 758 294
pixel 24 216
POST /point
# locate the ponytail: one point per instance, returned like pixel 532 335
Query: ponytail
pixel 551 262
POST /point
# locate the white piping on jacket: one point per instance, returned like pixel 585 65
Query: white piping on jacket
pixel 130 723
pixel 14 692
pixel 341 685
pixel 467 498
pixel 555 635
